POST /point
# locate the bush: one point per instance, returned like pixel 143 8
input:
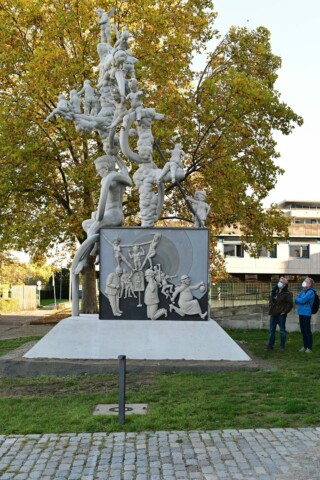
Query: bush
pixel 9 305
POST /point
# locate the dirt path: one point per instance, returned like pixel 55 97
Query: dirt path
pixel 29 322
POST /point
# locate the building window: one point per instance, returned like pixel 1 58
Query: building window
pixel 263 252
pixel 299 251
pixel 232 250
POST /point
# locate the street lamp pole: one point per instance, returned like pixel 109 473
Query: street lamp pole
pixel 39 283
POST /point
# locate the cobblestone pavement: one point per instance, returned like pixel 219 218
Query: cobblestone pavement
pixel 219 454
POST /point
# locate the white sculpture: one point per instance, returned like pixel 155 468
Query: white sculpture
pixel 136 253
pixel 90 99
pixel 113 288
pixel 174 165
pixel 63 109
pixel 188 305
pixel 201 208
pixel 166 286
pixel 127 286
pixel 116 100
pixel 151 297
pixel 104 22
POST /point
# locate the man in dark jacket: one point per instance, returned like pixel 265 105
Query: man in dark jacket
pixel 280 304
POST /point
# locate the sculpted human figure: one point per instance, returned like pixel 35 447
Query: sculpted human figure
pixel 152 250
pixel 89 97
pixel 113 287
pixel 134 98
pixel 75 101
pixel 136 253
pixel 174 165
pixel 63 109
pixel 121 109
pixel 127 286
pixel 166 286
pixel 129 64
pixel 109 212
pixel 151 297
pixel 188 305
pixel 113 183
pixel 105 25
pixel 117 253
pixel 200 207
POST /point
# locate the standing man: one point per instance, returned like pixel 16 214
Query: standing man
pixel 280 304
pixel 305 301
pixel 113 289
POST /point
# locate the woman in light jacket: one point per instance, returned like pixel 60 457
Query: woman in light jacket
pixel 305 301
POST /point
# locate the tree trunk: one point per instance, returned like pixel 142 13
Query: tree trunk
pixel 89 293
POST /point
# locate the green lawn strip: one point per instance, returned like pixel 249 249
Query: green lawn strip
pixel 11 344
pixel 285 395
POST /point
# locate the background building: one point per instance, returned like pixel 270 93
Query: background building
pixel 296 257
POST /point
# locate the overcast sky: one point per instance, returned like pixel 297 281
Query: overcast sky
pixel 295 37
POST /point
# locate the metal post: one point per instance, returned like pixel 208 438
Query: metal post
pixel 122 388
pixel 75 294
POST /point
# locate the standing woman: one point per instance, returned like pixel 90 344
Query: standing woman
pixel 305 301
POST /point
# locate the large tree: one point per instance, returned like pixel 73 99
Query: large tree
pixel 225 117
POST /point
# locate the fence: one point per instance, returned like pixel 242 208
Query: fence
pixel 237 294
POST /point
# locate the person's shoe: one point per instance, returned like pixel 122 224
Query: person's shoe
pixel 302 349
pixel 307 350
pixel 269 347
pixel 281 347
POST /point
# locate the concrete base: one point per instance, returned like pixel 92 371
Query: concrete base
pixel 87 337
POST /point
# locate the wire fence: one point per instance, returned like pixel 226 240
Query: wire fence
pixel 236 294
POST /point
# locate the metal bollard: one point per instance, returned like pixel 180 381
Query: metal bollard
pixel 122 388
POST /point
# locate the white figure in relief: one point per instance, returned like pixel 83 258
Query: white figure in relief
pixel 201 208
pixel 136 253
pixel 151 297
pixel 152 250
pixel 166 286
pixel 126 285
pixel 174 166
pixel 117 253
pixel 187 304
pixel 113 288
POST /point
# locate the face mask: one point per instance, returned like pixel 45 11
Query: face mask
pixel 280 284
pixel 304 284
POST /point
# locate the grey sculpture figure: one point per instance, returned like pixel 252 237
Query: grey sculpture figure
pixel 63 109
pixel 105 25
pixel 113 289
pixel 109 212
pixel 200 207
pixel 187 304
pixel 151 297
pixel 89 97
pixel 75 101
pixel 174 166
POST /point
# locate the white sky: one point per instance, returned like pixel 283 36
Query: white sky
pixel 295 37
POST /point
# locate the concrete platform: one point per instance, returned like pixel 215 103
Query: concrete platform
pixel 88 338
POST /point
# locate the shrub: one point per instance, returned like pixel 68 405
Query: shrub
pixel 9 305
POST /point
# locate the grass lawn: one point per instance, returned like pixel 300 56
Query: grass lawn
pixel 284 392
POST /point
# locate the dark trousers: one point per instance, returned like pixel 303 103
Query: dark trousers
pixel 305 327
pixel 274 321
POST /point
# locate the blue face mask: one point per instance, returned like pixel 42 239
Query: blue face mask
pixel 280 284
